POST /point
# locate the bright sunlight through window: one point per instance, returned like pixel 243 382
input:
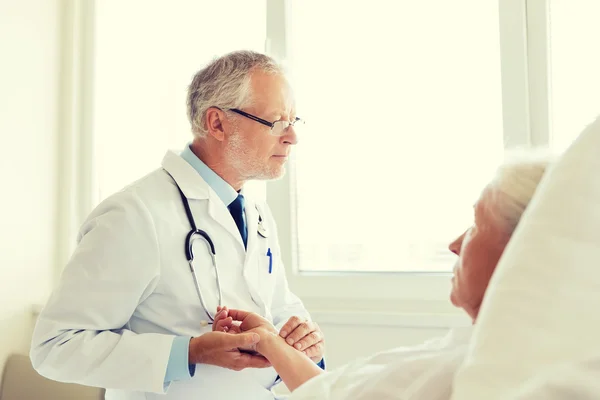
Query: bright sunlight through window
pixel 404 128
pixel 142 75
pixel 575 66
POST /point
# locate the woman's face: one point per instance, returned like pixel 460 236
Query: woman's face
pixel 478 250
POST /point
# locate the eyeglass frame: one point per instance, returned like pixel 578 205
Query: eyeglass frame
pixel 265 122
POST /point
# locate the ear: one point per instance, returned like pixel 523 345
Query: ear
pixel 214 123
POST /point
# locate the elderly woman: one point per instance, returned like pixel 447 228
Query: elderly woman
pixel 425 371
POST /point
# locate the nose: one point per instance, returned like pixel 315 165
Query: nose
pixel 289 136
pixel 455 246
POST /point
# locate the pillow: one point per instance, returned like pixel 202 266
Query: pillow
pixel 542 306
pixel 577 380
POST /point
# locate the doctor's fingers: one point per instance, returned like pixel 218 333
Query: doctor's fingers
pixel 249 320
pixel 220 321
pixel 239 315
pixel 222 325
pixel 221 314
pixel 242 361
pixel 300 331
pixel 229 326
pixel 222 341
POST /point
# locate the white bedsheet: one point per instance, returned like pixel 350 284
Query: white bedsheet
pixel 422 372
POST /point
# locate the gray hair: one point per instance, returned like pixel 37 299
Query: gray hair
pixel 514 185
pixel 224 83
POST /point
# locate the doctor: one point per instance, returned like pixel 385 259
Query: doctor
pixel 133 310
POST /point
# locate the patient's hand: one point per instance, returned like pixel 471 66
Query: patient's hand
pixel 237 321
pixel 305 336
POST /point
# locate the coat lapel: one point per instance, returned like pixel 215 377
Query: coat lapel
pixel 195 188
pixel 252 223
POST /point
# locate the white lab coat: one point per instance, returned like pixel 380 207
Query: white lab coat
pixel 128 290
pixel 422 372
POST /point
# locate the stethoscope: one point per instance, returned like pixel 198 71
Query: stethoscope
pixel 195 234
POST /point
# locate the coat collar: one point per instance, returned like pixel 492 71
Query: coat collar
pixel 223 189
pixel 195 187
pixel 186 177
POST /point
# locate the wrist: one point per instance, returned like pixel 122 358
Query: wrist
pixel 195 350
pixel 268 343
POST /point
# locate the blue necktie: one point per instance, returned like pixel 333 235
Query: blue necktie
pixel 236 208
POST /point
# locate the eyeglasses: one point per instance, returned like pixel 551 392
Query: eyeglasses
pixel 278 128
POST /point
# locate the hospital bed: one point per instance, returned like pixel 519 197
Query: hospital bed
pixel 21 382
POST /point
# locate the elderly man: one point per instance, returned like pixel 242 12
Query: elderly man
pixel 423 372
pixel 133 308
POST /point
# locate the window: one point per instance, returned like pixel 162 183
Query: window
pixel 404 128
pixel 574 33
pixel 146 54
pixel 424 94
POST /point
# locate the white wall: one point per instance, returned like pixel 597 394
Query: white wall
pixel 29 48
pixel 143 100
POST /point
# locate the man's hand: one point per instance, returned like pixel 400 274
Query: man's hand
pixel 224 323
pixel 250 320
pixel 305 336
pixel 237 321
pixel 222 349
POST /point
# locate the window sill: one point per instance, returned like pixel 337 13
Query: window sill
pixel 390 319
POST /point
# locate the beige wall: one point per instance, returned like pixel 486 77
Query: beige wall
pixel 29 50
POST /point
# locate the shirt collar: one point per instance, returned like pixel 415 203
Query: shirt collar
pixel 226 193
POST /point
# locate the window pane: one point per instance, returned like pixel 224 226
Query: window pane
pixel 575 67
pixel 146 55
pixel 404 127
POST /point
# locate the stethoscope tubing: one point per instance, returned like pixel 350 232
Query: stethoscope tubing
pixel 194 234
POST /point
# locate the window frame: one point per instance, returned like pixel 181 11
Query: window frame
pixel 524 54
pixel 526 109
pixel 76 170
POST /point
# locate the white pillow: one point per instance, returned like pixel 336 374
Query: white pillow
pixel 543 302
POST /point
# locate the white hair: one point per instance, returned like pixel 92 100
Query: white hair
pixel 224 83
pixel 513 187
